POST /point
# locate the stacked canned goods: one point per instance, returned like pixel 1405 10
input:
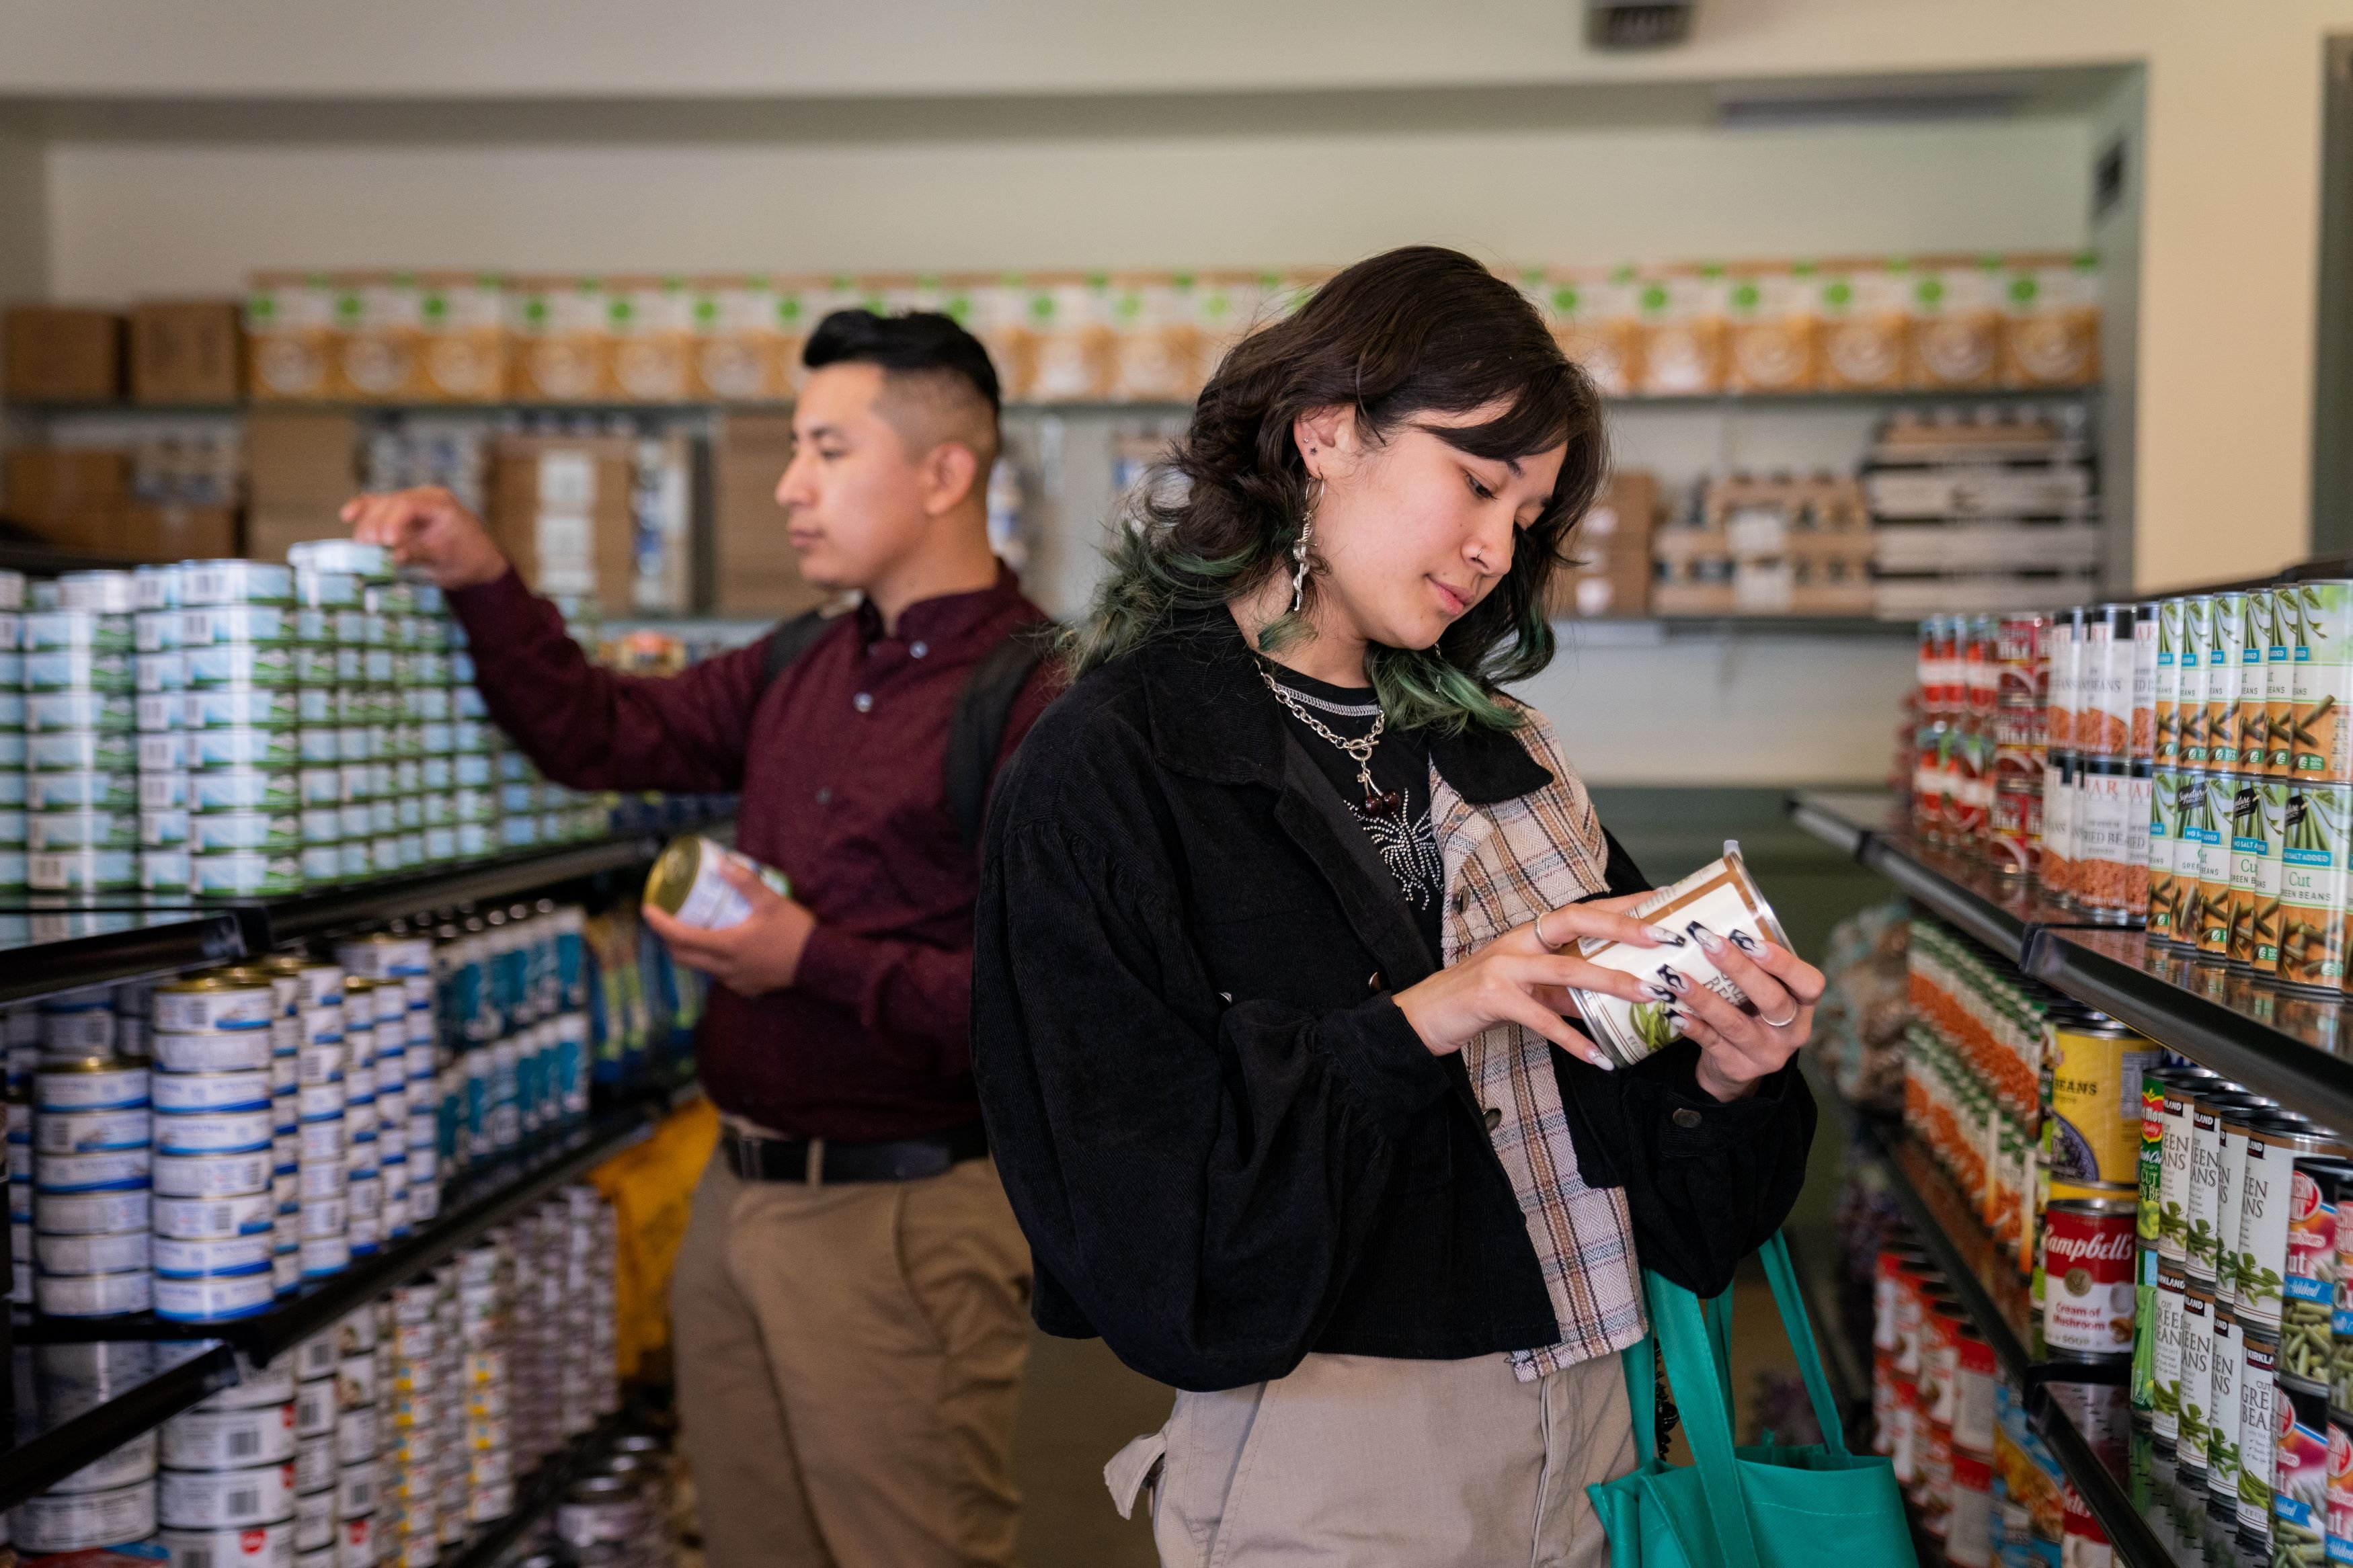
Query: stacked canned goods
pixel 166 793
pixel 82 791
pixel 216 1225
pixel 12 742
pixel 227 1492
pixel 92 1164
pixel 401 1083
pixel 2101 721
pixel 514 994
pixel 1979 752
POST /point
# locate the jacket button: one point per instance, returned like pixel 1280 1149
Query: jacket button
pixel 1462 900
pixel 863 702
pixel 919 649
pixel 1686 1119
pixel 1494 1118
pixel 1373 981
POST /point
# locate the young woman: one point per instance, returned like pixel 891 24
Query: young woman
pixel 1272 968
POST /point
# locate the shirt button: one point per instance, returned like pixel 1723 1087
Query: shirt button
pixel 1462 900
pixel 918 650
pixel 863 702
pixel 1686 1119
pixel 825 797
pixel 1373 981
pixel 1494 1118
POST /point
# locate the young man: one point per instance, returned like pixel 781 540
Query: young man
pixel 850 1304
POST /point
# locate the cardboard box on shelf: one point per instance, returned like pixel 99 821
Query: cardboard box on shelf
pixel 187 351
pixel 2051 333
pixel 58 353
pixel 53 485
pixel 1682 326
pixel 1769 342
pixel 300 461
pixel 737 353
pixel 1956 323
pixel 1610 565
pixel 379 344
pixel 562 346
pixel 758 571
pixel 1863 325
pixel 651 321
pixel 562 508
pixel 176 532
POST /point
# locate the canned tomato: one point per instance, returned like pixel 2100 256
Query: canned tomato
pixel 229 1439
pixel 93 1214
pixel 2087 1305
pixel 211 1175
pixel 90 1132
pixel 2265 1207
pixel 2215 1103
pixel 82 1522
pixel 93 1295
pixel 213 1298
pixel 217 1499
pixel 266 1546
pixel 215 1219
pixel 239 874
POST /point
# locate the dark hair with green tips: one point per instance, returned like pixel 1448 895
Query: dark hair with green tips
pixel 1412 332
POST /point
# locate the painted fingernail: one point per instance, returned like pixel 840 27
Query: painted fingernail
pixel 1663 935
pixel 1660 993
pixel 1603 1062
pixel 1747 943
pixel 1708 940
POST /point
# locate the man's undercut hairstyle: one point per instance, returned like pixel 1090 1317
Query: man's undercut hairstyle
pixel 937 382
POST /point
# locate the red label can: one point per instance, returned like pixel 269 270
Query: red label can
pixel 2016 831
pixel 2088 1299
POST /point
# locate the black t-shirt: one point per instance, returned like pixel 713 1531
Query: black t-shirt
pixel 1395 819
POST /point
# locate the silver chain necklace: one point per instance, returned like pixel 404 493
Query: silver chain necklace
pixel 1359 751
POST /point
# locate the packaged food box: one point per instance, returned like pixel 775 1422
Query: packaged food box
pixel 289 333
pixel 650 324
pixel 563 352
pixel 1862 325
pixel 2050 332
pixel 1720 897
pixel 1771 334
pixel 463 348
pixel 1593 319
pixel 1682 315
pixel 1157 342
pixel 379 339
pixel 1956 323
pixel 736 356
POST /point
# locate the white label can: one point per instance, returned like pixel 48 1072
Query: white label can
pixel 132 1462
pixel 265 1546
pixel 229 1439
pixel 325 1255
pixel 214 1132
pixel 315 1465
pixel 215 1298
pixel 243 1052
pixel 90 1132
pixel 93 1295
pixel 191 1092
pixel 117 1254
pixel 314 1516
pixel 315 1409
pixel 202 1259
pixel 355 1435
pixel 355 1488
pixel 212 1175
pixel 79 1521
pixel 225 1500
pixel 118 1170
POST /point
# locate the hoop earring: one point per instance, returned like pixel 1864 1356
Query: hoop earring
pixel 1299 549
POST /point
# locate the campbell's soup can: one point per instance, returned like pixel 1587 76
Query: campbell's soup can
pixel 2088 1249
pixel 2093 1124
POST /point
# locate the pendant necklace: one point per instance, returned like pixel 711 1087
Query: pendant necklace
pixel 1378 802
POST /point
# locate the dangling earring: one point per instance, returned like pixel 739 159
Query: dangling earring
pixel 1299 550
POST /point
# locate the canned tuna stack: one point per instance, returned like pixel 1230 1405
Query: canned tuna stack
pixel 454 1456
pixel 400 964
pixel 338 1033
pixel 161 678
pixel 592 1242
pixel 485 1318
pixel 360 1495
pixel 82 790
pixel 415 1395
pixel 216 1213
pixel 228 1491
pixel 92 1165
pixel 111 1502
pixel 237 635
pixel 375 1011
pixel 13 776
pixel 536 1351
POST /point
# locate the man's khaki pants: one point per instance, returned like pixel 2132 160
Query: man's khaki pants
pixel 848 1361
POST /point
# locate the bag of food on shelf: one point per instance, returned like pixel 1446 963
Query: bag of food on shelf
pixel 1591 313
pixel 734 357
pixel 1683 331
pixel 379 336
pixel 1770 341
pixel 1955 322
pixel 651 323
pixel 1863 326
pixel 463 356
pixel 289 329
pixel 2050 333
pixel 562 351
pixel 1070 322
pixel 1156 356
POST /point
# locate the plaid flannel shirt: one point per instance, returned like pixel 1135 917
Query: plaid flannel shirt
pixel 1505 865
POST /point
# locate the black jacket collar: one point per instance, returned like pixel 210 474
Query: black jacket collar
pixel 1213 719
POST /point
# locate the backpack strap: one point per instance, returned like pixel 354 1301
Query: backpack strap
pixel 789 641
pixel 982 710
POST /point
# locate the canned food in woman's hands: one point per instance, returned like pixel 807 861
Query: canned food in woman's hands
pixel 1719 897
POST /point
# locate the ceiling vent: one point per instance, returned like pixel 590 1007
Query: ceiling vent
pixel 1637 24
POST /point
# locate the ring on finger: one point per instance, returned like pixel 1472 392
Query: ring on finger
pixel 1782 1023
pixel 1550 946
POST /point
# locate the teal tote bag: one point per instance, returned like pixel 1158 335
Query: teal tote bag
pixel 1771 1506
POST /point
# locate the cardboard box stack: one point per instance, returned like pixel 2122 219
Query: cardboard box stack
pixel 75 499
pixel 1612 551
pixel 1769 545
pixel 756 571
pixel 185 352
pixel 300 467
pixel 562 508
pixel 55 354
pixel 1984 510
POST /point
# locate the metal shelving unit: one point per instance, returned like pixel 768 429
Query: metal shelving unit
pixel 41 1454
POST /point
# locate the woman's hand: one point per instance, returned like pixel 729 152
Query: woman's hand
pixel 1738 1047
pixel 1520 979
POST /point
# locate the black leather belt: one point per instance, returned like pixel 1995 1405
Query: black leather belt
pixel 818 1161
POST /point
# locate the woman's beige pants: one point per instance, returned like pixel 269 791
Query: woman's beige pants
pixel 1358 1461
